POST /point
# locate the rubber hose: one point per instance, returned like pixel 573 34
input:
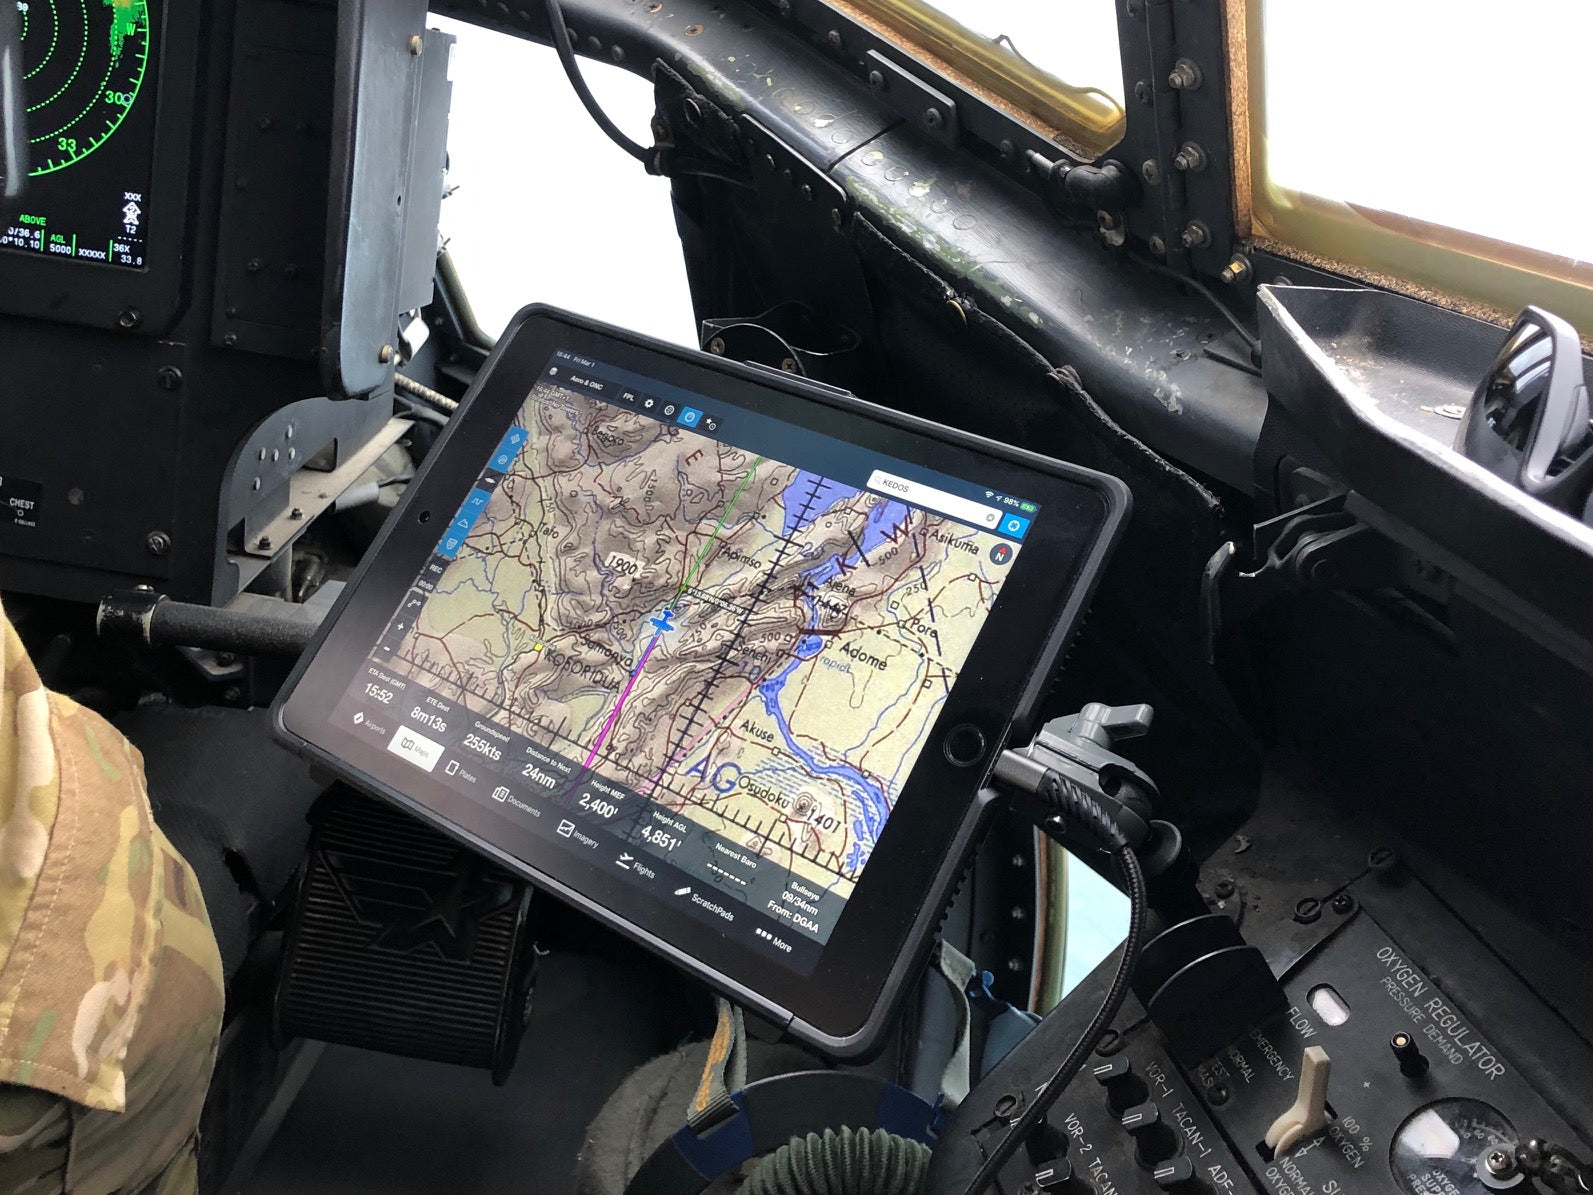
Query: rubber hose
pixel 849 1162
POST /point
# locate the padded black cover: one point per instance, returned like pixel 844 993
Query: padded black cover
pixel 232 801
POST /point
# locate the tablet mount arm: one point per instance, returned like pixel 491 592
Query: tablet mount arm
pixel 1080 750
pixel 1195 954
pixel 1072 783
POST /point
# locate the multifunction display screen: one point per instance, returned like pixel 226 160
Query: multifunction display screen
pixel 696 644
pixel 88 82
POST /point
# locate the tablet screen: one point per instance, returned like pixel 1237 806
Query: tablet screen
pixel 693 642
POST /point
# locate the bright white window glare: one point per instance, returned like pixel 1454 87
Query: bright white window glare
pixel 547 209
pixel 1097 922
pixel 1470 115
pixel 1075 40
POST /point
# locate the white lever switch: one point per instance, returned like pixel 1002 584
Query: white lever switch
pixel 1308 1114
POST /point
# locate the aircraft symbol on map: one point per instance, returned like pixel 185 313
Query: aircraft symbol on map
pixel 662 621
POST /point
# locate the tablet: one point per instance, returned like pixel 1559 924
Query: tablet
pixel 718 655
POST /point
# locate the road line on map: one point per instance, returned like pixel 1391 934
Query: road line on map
pixel 735 638
pixel 620 704
pixel 717 724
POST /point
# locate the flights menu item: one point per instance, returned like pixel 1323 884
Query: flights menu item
pixel 697 647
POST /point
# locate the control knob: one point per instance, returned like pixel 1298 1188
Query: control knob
pixel 1124 1089
pixel 1155 1141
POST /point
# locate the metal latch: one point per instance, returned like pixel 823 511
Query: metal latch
pixel 1317 547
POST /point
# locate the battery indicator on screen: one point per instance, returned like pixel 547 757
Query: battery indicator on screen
pixel 1027 508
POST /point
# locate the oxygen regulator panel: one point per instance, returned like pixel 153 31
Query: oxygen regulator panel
pixel 1410 1060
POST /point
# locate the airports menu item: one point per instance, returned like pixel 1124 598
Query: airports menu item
pixel 699 644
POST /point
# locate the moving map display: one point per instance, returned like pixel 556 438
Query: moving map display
pixel 703 642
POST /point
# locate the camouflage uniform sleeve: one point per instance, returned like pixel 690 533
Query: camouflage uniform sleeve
pixel 110 981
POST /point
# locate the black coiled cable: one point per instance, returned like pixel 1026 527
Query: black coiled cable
pixel 1073 805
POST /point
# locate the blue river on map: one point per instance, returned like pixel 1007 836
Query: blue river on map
pixel 879 528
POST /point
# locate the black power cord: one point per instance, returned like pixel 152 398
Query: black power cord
pixel 650 158
pixel 1205 292
pixel 572 70
pixel 1073 805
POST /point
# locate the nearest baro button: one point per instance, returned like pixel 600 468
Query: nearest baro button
pixel 965 745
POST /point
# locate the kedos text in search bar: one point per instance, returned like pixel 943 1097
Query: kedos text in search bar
pixel 918 494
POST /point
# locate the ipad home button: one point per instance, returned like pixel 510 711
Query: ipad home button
pixel 964 745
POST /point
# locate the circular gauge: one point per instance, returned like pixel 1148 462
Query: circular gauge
pixel 1445 1147
pixel 83 65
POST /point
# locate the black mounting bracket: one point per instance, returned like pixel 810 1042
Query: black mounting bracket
pixel 815 211
pixel 904 93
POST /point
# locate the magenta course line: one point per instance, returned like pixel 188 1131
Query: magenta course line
pixel 620 704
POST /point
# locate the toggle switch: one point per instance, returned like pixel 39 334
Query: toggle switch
pixel 1155 1141
pixel 1412 1062
pixel 1308 1114
pixel 1123 1087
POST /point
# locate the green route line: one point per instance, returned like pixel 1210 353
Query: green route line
pixel 719 526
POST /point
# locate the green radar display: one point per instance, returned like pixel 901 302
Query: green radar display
pixel 84 63
pixel 88 68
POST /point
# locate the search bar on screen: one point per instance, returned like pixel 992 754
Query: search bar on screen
pixel 927 496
